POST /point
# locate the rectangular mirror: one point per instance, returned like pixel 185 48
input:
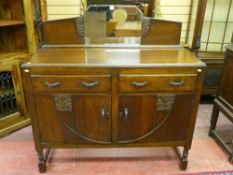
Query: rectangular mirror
pixel 112 24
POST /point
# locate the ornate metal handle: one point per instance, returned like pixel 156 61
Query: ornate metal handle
pixel 104 113
pixel 125 114
pixel 137 84
pixel 176 83
pixel 54 84
pixel 90 84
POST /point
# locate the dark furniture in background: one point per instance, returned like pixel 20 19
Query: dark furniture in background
pixel 224 101
pixel 213 72
pixel 213 60
pixel 17 39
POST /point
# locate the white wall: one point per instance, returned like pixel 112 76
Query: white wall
pixel 176 10
pixel 213 33
pixel 59 9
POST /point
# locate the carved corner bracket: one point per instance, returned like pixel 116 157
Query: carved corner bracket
pixel 165 102
pixel 145 26
pixel 63 103
pixel 80 27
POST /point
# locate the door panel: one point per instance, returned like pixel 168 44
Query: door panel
pixel 141 117
pixel 163 117
pixel 74 119
pixel 93 119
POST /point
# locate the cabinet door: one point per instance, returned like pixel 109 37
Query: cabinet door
pixel 74 119
pixel 158 118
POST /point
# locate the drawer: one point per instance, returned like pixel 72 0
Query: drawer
pixel 161 83
pixel 82 83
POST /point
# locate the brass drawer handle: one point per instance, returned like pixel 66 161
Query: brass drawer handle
pixel 136 84
pixel 55 84
pixel 176 83
pixel 90 84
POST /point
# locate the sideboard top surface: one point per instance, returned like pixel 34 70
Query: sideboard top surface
pixel 114 57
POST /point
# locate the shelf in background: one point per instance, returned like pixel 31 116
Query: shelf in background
pixel 7 54
pixel 8 58
pixel 12 122
pixel 4 23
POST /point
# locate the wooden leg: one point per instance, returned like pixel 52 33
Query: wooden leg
pixel 41 163
pixel 42 159
pixel 213 120
pixel 231 158
pixel 183 158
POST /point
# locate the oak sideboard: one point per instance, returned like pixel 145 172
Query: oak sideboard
pixel 112 97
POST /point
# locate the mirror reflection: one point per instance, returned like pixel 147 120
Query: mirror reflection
pixel 112 24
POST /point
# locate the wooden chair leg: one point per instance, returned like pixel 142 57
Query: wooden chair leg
pixel 214 119
pixel 231 158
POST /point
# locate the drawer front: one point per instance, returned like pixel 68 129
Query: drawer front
pixel 161 83
pixel 92 83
